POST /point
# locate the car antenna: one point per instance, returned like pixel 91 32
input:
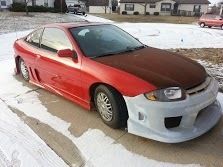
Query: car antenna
pixel 15 26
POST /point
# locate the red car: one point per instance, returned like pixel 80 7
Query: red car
pixel 211 21
pixel 155 93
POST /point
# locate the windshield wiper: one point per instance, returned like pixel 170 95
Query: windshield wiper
pixel 138 47
pixel 114 53
pixel 128 49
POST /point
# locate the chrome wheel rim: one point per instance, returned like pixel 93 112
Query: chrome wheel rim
pixel 24 70
pixel 202 24
pixel 104 106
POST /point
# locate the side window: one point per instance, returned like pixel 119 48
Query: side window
pixel 34 38
pixel 152 5
pixel 54 39
pixel 129 7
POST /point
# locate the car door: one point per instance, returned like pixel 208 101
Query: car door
pixel 218 21
pixel 61 75
pixel 213 21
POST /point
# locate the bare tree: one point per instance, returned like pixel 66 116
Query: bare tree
pixel 26 6
pixel 106 5
pixel 145 6
pixel 221 8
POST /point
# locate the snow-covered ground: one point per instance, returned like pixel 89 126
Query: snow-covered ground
pixel 11 22
pixel 97 148
pixel 167 36
pixel 20 146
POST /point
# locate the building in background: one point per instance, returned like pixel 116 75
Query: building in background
pixel 100 6
pixel 165 7
pixel 5 4
pixel 46 3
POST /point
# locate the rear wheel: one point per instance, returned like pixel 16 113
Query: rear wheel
pixel 202 25
pixel 23 70
pixel 111 106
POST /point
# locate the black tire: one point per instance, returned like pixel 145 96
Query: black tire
pixel 202 25
pixel 24 76
pixel 83 13
pixel 119 109
pixel 209 26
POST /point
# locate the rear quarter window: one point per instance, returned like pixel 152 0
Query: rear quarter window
pixel 34 37
pixel 54 39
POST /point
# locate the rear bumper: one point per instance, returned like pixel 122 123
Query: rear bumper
pixel 198 113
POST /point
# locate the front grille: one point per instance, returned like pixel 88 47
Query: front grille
pixel 172 122
pixel 200 88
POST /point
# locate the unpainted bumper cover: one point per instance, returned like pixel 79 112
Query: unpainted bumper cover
pixel 200 112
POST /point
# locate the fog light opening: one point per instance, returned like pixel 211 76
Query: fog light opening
pixel 172 122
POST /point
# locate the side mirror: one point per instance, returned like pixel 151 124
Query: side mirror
pixel 67 53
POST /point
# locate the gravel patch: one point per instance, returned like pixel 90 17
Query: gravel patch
pixel 14 21
pixel 210 58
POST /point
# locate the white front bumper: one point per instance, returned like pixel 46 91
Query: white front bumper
pixel 199 112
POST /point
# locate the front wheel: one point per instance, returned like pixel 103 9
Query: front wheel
pixel 23 70
pixel 202 25
pixel 111 106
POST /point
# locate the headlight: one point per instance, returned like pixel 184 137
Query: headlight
pixel 166 95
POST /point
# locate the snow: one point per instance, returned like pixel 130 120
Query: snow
pixel 167 36
pixel 20 146
pixel 15 146
pixel 215 70
pixel 11 22
pixel 214 2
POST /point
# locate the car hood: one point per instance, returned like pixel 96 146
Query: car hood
pixel 161 68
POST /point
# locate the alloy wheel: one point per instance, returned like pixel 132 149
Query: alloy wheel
pixel 104 106
pixel 24 70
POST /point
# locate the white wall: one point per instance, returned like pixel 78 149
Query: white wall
pixel 98 9
pixel 72 2
pixel 41 3
pixel 159 7
pixel 190 7
pixel 137 7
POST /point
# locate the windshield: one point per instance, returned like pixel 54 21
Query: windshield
pixel 103 40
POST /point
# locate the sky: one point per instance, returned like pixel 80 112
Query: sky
pixel 215 1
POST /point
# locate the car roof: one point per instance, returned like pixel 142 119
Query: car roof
pixel 73 24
